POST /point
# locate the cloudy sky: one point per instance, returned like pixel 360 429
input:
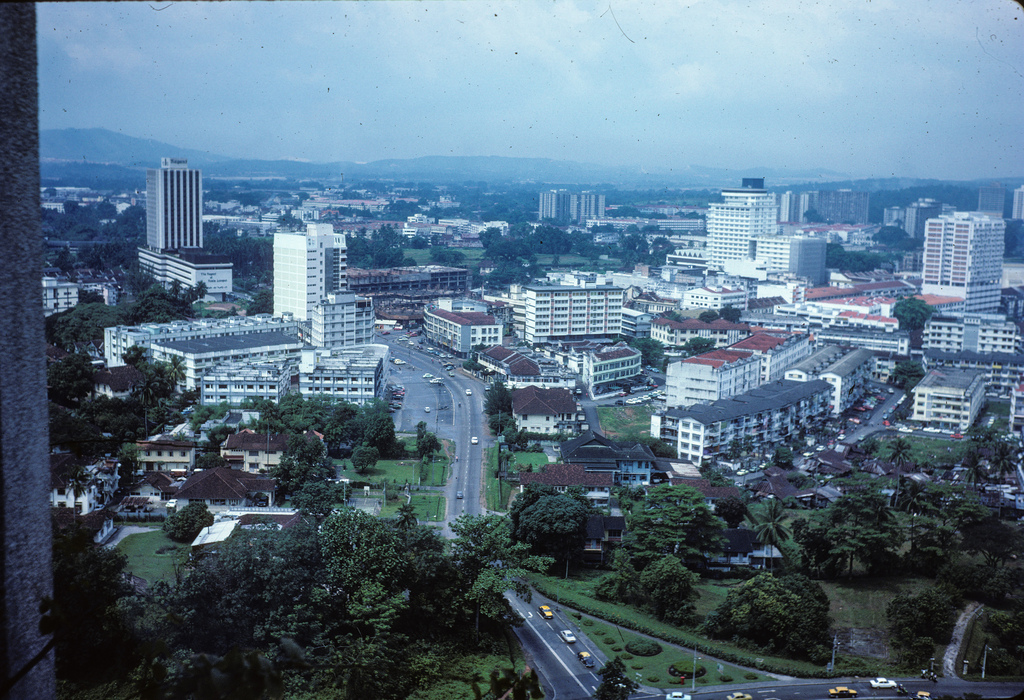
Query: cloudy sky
pixel 870 88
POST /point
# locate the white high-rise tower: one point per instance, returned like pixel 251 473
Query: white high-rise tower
pixel 963 257
pixel 174 206
pixel 747 213
pixel 307 267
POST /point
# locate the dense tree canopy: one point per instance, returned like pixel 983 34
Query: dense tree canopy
pixel 912 313
pixel 672 520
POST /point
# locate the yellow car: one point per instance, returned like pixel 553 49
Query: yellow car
pixel 842 692
pixel 545 612
pixel 739 696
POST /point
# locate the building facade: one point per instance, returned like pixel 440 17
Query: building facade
pixel 235 382
pixel 174 206
pixel 678 333
pixel 963 257
pixel 615 363
pixel 342 320
pixel 307 267
pixel 460 331
pixel 554 313
pixel 981 333
pixel 356 375
pixel 202 355
pixel 846 370
pixel 58 295
pixel 547 411
pixel 949 399
pixel 745 213
pixel 711 376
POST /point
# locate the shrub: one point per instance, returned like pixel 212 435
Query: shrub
pixel 725 678
pixel 616 648
pixel 599 633
pixel 625 657
pixel 578 616
pixel 587 623
pixel 643 647
pixel 653 679
pixel 637 667
pixel 609 640
pixel 750 676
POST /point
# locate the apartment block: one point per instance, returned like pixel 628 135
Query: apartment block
pixel 775 353
pixel 949 399
pixel 614 363
pixel 844 369
pixel 711 376
pixel 714 298
pixel 342 320
pixel 744 214
pixel 201 355
pixel 554 313
pixel 235 382
pixel 981 333
pixel 461 331
pixel 58 295
pixel 675 334
pixel 352 374
pixel 963 257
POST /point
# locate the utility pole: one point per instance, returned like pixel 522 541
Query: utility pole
pixel 984 660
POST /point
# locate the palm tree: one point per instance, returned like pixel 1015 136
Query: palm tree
pixel 769 528
pixel 1004 458
pixel 78 481
pixel 175 371
pixel 407 517
pixel 899 454
pixel 972 463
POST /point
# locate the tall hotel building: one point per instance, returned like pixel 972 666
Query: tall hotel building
pixel 963 257
pixel 307 267
pixel 747 212
pixel 174 231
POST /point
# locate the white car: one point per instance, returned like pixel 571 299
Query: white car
pixel 677 695
pixel 474 441
pixel 882 683
pixel 567 636
pixel 469 392
pixel 428 375
pixel 426 409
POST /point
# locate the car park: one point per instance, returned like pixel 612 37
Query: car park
pixel 586 659
pixel 882 683
pixel 567 636
pixel 545 612
pixel 842 692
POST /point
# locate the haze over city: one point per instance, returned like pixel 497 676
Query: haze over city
pixel 861 89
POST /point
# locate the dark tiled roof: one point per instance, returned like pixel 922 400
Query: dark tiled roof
pixel 282 520
pixel 119 379
pixel 60 465
pixel 713 492
pixel 533 400
pixel 597 525
pixel 764 398
pixel 593 449
pixel 739 540
pixel 616 351
pixel 223 483
pixel 250 440
pixel 566 475
pixel 499 352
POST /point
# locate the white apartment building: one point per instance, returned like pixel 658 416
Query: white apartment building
pixel 963 257
pixel 307 267
pixel 776 353
pixel 356 375
pixel 825 315
pixel 718 374
pixel 461 331
pixel 745 214
pixel 845 371
pixel 675 334
pixel 612 364
pixel 636 324
pixel 1018 204
pixel 949 398
pixel 203 354
pixel 714 298
pixel 58 295
pixel 770 415
pixel 174 206
pixel 118 339
pixel 554 313
pixel 234 382
pixel 342 319
pixel 982 333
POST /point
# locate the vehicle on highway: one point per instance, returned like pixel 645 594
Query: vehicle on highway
pixel 923 695
pixel 474 440
pixel 469 392
pixel 957 436
pixel 739 696
pixel 437 380
pixel 567 636
pixel 545 612
pixel 586 659
pixel 458 494
pixel 428 375
pixel 677 695
pixel 426 409
pixel 882 683
pixel 842 691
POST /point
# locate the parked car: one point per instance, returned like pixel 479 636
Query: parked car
pixel 842 692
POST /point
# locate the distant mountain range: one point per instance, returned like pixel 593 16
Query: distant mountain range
pixel 103 155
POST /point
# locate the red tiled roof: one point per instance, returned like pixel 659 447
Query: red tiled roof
pixel 566 475
pixel 465 318
pixel 499 352
pixel 533 400
pixel 717 358
pixel 221 482
pixel 759 342
pixel 696 324
pixel 249 440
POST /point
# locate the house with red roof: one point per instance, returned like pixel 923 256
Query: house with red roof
pixel 222 488
pixel 547 411
pixel 596 485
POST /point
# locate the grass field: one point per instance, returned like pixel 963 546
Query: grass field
pixel 534 459
pixel 429 506
pixel 153 555
pixel 926 451
pixel 861 604
pixel 399 471
pixel 625 422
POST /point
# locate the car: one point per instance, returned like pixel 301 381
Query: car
pixel 891 390
pixel 739 696
pixel 567 636
pixel 426 409
pixel 957 436
pixel 474 441
pixel 428 375
pixel 459 495
pixel 385 332
pixel 842 692
pixel 885 423
pixel 469 392
pixel 882 683
pixel 677 695
pixel 922 695
pixel 620 402
pixel 437 380
pixel 586 659
pixel 546 612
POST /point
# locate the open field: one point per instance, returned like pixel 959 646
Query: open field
pixel 534 459
pixel 399 471
pixel 429 506
pixel 153 555
pixel 926 451
pixel 625 422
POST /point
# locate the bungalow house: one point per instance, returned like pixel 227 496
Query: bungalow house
pixel 254 452
pixel 711 494
pixel 99 523
pixel 116 382
pixel 222 488
pixel 165 453
pixel 775 487
pixel 155 486
pixel 818 497
pixel 604 533
pixel 80 485
pixel 741 548
pixel 547 411
pixel 629 463
pixel 596 485
pixel 830 464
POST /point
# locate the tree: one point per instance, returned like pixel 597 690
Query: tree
pixel 184 525
pixel 732 510
pixel 652 352
pixel 768 525
pixel 912 313
pixel 730 314
pixel 551 523
pixel 262 303
pixel 788 614
pixel 994 540
pixel 498 399
pixel 364 458
pixel 673 520
pixel 918 623
pixel 783 457
pixel 318 498
pixel 670 590
pixel 907 374
pixel 708 316
pixel 427 445
pixel 71 379
pixel 407 517
pixel 899 454
pixel 615 682
pixel 304 460
pixel 622 585
pixel 697 346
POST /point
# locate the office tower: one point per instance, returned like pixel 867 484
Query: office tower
pixel 808 201
pixel 174 206
pixel 307 267
pixel 788 206
pixel 918 213
pixel 585 206
pixel 963 257
pixel 1018 203
pixel 843 206
pixel 554 205
pixel 991 199
pixel 893 216
pixel 745 213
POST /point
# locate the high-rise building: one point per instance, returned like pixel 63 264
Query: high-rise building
pixel 554 205
pixel 174 206
pixel 963 257
pixel 746 213
pixel 564 207
pixel 991 200
pixel 918 213
pixel 307 267
pixel 174 232
pixel 789 203
pixel 843 206
pixel 808 201
pixel 1018 203
pixel 893 216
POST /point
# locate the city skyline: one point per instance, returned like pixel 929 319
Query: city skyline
pixel 866 89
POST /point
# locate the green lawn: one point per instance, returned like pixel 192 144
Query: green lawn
pixel 422 256
pixel 399 471
pixel 429 506
pixel 534 459
pixel 625 422
pixel 861 604
pixel 929 451
pixel 152 555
